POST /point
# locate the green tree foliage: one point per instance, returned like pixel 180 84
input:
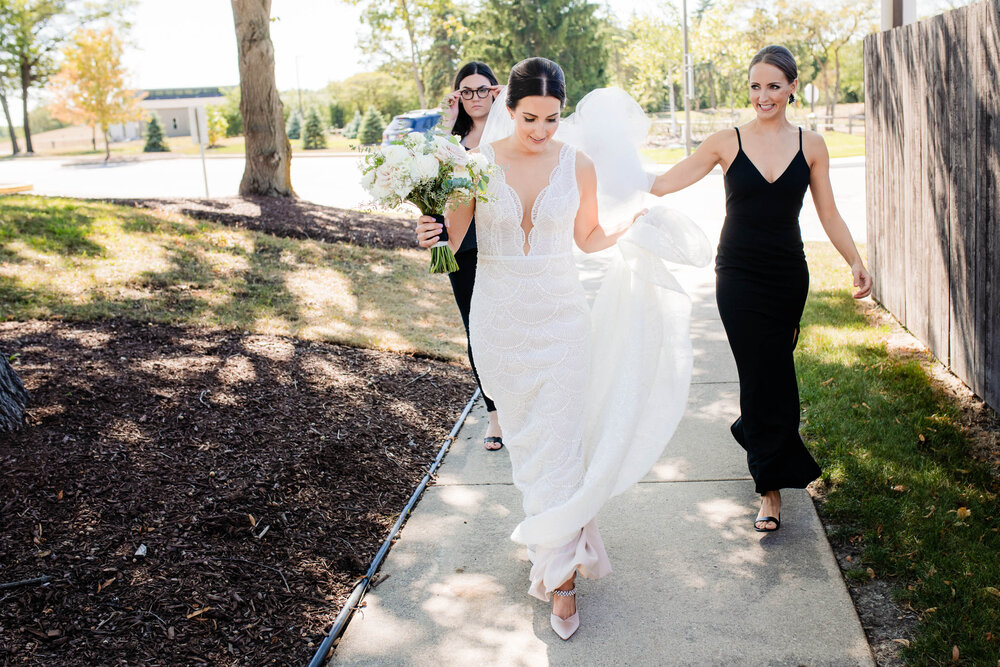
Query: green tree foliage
pixel 35 30
pixel 393 95
pixel 371 128
pixel 294 127
pixel 217 124
pixel 231 110
pixel 314 137
pixel 418 37
pixel 351 130
pixel 155 142
pixel 335 114
pixel 566 31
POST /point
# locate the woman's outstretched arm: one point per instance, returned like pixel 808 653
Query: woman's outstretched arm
pixel 829 216
pixel 587 231
pixel 695 167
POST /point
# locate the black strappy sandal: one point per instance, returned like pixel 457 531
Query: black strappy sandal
pixel 765 520
pixel 492 440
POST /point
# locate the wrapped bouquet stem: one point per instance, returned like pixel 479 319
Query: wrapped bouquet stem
pixel 432 172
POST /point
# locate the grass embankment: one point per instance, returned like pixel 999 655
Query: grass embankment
pixel 81 260
pixel 840 144
pixel 335 143
pixel 899 480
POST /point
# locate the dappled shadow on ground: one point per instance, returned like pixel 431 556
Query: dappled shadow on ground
pixel 260 472
pixel 292 218
pixel 62 258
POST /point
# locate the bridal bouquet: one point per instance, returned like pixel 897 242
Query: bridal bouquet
pixel 431 171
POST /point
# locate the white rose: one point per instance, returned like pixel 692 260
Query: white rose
pixel 427 167
pixel 368 180
pixel 396 155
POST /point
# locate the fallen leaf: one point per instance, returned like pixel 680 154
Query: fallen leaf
pixel 954 653
pixel 904 642
pixel 871 573
pixel 198 612
pixel 826 382
pixel 920 436
pixel 928 515
pixel 43 554
pixel 930 610
pixel 60 496
pixel 992 591
pixel 899 487
pixel 253 521
pixel 963 513
pixel 107 583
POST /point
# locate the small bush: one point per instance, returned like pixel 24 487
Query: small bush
pixel 314 136
pixel 294 128
pixel 336 115
pixel 351 131
pixel 155 142
pixel 371 128
pixel 217 125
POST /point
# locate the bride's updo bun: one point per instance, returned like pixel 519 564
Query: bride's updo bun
pixel 536 76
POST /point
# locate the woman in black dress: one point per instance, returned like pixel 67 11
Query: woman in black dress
pixel 466 109
pixel 761 275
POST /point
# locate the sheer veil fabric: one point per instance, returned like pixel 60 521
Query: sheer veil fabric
pixel 630 354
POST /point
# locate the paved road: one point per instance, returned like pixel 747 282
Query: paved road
pixel 333 181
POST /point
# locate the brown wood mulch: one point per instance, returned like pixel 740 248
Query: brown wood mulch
pixel 291 218
pixel 201 496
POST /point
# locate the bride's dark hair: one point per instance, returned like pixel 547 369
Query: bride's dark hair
pixel 463 121
pixel 536 76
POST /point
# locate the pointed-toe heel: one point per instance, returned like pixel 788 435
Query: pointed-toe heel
pixel 565 627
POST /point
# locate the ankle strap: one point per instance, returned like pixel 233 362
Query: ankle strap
pixel 565 594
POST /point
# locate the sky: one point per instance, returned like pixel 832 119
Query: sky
pixel 192 43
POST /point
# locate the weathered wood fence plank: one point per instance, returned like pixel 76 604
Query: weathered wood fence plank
pixel 933 169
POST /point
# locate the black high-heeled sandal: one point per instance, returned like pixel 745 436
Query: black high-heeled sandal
pixel 765 520
pixel 493 440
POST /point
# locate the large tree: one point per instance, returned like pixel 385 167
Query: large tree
pixel 268 151
pixel 91 86
pixel 566 31
pixel 420 37
pixel 37 29
pixel 13 398
pixel 7 70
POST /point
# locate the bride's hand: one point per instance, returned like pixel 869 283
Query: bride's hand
pixel 862 280
pixel 428 231
pixel 638 215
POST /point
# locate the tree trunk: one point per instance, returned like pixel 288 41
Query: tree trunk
pixel 93 137
pixel 15 149
pixel 25 86
pixel 268 151
pixel 414 56
pixel 836 81
pixel 107 143
pixel 13 398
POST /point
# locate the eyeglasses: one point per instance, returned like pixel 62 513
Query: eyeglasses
pixel 480 92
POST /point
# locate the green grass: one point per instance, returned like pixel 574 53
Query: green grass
pixel 898 475
pixel 229 146
pixel 77 260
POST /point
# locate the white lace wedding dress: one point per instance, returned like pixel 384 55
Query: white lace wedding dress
pixel 587 397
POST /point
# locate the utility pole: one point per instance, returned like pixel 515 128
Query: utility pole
pixel 687 85
pixel 298 84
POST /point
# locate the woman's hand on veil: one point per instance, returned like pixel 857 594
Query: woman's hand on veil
pixel 428 231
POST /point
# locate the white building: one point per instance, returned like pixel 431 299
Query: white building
pixel 175 108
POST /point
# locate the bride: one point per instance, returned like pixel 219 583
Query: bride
pixel 587 398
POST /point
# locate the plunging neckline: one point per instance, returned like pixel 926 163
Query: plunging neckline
pixel 527 236
pixel 761 174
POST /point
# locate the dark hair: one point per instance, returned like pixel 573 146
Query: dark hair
pixel 536 76
pixel 463 121
pixel 780 57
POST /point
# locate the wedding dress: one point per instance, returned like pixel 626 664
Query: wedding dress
pixel 587 397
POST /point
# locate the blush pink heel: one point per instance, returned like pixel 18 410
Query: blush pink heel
pixel 565 627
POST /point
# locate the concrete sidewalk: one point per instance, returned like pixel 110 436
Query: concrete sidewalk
pixel 693 583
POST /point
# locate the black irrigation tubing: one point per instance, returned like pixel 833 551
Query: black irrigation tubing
pixel 362 586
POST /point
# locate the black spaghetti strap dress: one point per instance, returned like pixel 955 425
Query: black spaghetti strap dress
pixel 761 285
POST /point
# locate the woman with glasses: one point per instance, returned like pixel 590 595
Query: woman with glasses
pixel 465 112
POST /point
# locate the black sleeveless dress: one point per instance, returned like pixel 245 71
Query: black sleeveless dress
pixel 761 285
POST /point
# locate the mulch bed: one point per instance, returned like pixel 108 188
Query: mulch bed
pixel 171 439
pixel 291 218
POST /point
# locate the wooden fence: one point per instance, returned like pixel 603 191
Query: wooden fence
pixel 933 183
